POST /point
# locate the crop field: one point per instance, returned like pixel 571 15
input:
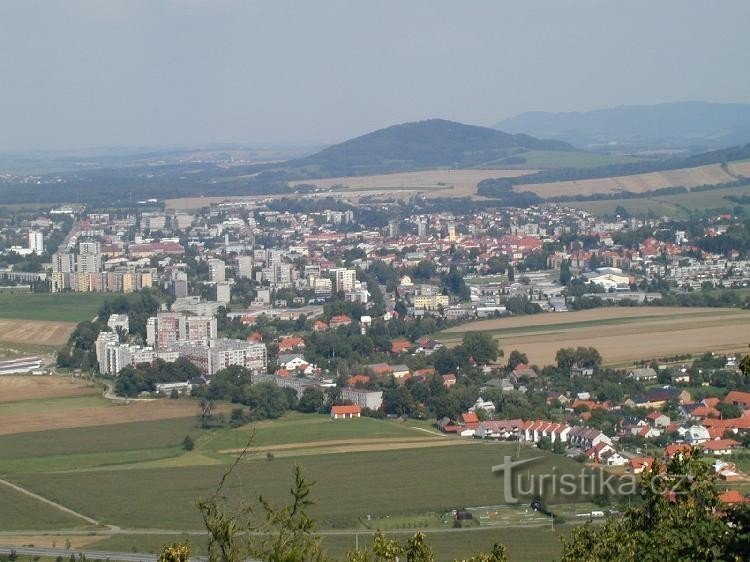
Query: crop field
pixel 19 388
pixel 348 486
pixel 566 159
pixel 678 205
pixel 686 177
pixel 309 428
pixel 392 471
pixel 524 544
pixel 620 334
pixel 435 183
pixel 56 307
pixel 18 512
pixel 95 411
pixel 34 332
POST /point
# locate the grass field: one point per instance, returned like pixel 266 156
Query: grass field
pixel 679 205
pixel 348 486
pixel 307 428
pixel 620 334
pixel 56 307
pixel 18 512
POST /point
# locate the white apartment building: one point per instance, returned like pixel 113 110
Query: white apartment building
pixel 36 242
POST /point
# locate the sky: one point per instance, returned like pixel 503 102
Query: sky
pixel 162 73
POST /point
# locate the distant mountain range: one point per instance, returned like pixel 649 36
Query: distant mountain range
pixel 693 125
pixel 434 143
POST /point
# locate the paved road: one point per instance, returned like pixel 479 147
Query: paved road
pixel 89 554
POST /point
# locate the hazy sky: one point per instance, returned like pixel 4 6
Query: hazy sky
pixel 84 73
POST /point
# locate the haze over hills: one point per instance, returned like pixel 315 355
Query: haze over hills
pixel 693 125
pixel 433 143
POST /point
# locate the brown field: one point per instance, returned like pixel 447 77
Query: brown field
pixel 659 332
pixel 50 540
pixel 106 414
pixel 16 388
pixel 686 177
pixel 457 183
pixel 36 332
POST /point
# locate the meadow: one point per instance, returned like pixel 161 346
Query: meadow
pixel 621 335
pixel 54 307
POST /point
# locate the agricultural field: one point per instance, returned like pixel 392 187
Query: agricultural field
pixel 58 307
pixel 621 335
pixel 348 486
pixel 545 159
pixel 434 183
pixel 678 205
pixel 34 332
pixel 687 177
pixel 40 403
pixel 19 512
pixel 22 388
pixel 449 545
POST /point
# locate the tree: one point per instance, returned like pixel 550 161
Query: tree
pixel 517 358
pixel 206 412
pixel 481 346
pixel 565 275
pixel 188 443
pixel 312 400
pixel 677 494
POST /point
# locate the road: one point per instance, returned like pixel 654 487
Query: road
pixel 89 554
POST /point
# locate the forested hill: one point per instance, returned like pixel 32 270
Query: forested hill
pixel 696 125
pixel 418 145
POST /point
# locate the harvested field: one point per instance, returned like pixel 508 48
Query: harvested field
pixel 16 388
pixel 686 177
pixel 97 415
pixel 620 335
pixel 435 183
pixel 36 332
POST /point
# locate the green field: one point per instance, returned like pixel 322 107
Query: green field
pixel 57 307
pixel 115 438
pixel 141 465
pixel 524 544
pixel 306 428
pixel 563 159
pixel 679 205
pixel 18 511
pixel 349 486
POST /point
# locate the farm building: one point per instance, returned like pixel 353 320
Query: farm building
pixel 345 412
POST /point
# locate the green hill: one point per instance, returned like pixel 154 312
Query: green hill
pixel 435 143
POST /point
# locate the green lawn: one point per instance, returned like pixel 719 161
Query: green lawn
pixel 348 486
pixel 58 307
pixel 18 511
pixel 307 428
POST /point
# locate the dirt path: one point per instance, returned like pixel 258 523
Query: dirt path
pixel 50 503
